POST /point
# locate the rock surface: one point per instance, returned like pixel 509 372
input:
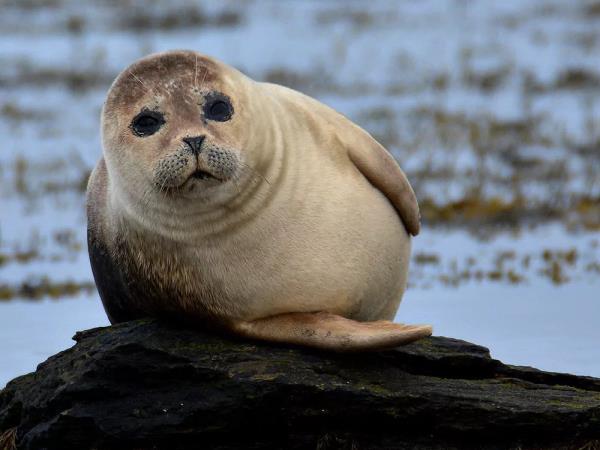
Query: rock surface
pixel 148 385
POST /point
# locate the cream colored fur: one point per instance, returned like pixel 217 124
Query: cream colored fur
pixel 310 222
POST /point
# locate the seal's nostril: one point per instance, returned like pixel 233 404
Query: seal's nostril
pixel 195 143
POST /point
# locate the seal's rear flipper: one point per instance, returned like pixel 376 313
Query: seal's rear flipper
pixel 331 332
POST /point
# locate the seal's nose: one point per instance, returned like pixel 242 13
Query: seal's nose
pixel 195 143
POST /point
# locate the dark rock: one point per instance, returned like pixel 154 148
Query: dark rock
pixel 147 385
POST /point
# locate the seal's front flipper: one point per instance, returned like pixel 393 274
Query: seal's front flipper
pixel 331 332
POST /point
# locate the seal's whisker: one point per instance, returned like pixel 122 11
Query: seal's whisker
pixel 195 71
pixel 148 195
pixel 139 81
pixel 144 199
pixel 248 170
pixel 255 172
pixel 204 77
pixel 162 189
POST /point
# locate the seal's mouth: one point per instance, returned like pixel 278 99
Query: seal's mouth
pixel 201 175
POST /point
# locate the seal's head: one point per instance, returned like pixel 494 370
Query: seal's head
pixel 172 127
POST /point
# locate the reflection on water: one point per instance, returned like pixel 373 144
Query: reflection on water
pixel 492 109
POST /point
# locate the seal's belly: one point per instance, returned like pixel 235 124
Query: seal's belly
pixel 341 249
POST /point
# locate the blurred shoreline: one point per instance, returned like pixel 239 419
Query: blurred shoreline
pixel 492 110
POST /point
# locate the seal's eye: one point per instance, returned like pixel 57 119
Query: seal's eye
pixel 147 122
pixel 218 107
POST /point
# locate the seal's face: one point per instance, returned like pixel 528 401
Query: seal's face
pixel 192 157
pixel 172 127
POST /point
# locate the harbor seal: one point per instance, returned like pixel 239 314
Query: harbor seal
pixel 247 207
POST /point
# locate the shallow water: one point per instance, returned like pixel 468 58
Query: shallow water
pixel 539 325
pixel 492 109
pixel 33 331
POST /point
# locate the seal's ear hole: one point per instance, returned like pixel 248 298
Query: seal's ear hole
pixel 147 122
pixel 218 107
